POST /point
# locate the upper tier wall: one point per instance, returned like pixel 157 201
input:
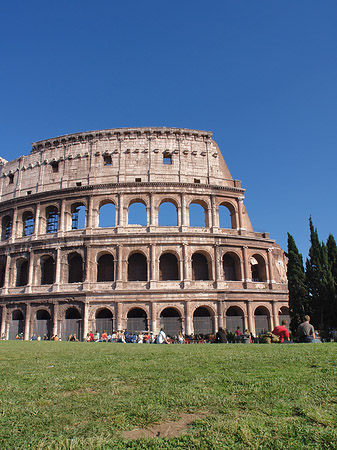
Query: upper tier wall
pixel 116 156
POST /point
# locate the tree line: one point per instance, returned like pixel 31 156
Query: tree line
pixel 313 288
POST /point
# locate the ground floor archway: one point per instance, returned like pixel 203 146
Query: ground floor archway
pixel 170 320
pixel 137 320
pixel 262 320
pixel 203 323
pixel 234 319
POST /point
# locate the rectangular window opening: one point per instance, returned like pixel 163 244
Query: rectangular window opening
pixel 11 178
pixel 138 180
pixel 196 180
pixel 107 160
pixel 167 159
pixel 55 166
pixel 78 183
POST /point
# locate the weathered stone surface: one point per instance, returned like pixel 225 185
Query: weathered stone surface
pixel 92 277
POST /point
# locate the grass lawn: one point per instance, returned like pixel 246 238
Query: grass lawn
pixel 65 395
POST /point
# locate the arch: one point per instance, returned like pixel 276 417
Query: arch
pixel 72 323
pixel 168 267
pixel 258 268
pixel 167 214
pixel 47 270
pixel 105 268
pixel 77 216
pixel 231 267
pixel 262 320
pixel 52 217
pixel 137 320
pixel 234 318
pixel 16 323
pixel 21 272
pixel 170 320
pixel 27 223
pixel 137 214
pixel 203 322
pixel 6 228
pixel 197 214
pixel 227 217
pixel 200 268
pixel 75 268
pixel 107 214
pixel 137 267
pixel 104 320
pixel 43 323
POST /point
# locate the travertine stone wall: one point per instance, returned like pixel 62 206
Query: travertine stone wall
pixel 223 276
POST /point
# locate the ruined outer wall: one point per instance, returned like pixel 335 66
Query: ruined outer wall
pixel 122 166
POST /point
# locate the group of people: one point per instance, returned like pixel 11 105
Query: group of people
pixel 133 338
pixel 305 333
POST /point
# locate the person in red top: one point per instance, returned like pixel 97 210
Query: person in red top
pixel 282 331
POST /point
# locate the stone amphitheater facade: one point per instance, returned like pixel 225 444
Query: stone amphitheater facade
pixel 60 276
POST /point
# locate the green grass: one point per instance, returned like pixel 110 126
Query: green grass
pixel 60 395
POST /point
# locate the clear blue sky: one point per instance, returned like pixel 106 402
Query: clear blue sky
pixel 260 74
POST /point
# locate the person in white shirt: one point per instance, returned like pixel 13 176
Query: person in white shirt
pixel 161 338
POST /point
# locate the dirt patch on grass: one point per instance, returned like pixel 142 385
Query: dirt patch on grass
pixel 171 428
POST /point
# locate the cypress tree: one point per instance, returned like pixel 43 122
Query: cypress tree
pixel 298 291
pixel 332 258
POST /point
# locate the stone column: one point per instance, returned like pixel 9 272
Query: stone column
pixel 152 264
pixel 246 265
pixel 215 216
pixel 119 274
pixel 89 221
pixel 270 267
pixel 220 314
pixel 30 271
pixel 153 216
pixel 61 226
pixel 7 273
pixel 14 224
pixel 179 214
pixel 119 307
pixel 251 321
pixel 275 316
pixel 3 320
pixel 27 323
pixel 239 222
pixel 216 323
pixel 85 320
pixel 120 221
pixel 187 272
pixel 153 310
pixel 217 260
pixel 184 218
pixel 55 318
pixel 37 220
pixel 57 269
pixel 188 320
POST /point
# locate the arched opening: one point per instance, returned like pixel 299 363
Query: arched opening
pixel 170 320
pixel 2 270
pixel 75 268
pixel 168 267
pixel 137 320
pixel 16 323
pixel 21 272
pixel 105 268
pixel 43 323
pixel 258 268
pixel 284 315
pixel 137 267
pixel 202 321
pixel 199 267
pixel 167 215
pixel 107 215
pixel 197 214
pixel 226 217
pixel 234 319
pixel 6 228
pixel 77 216
pixel 137 214
pixel 104 320
pixel 262 320
pixel 72 324
pixel 28 223
pixel 231 267
pixel 52 219
pixel 47 270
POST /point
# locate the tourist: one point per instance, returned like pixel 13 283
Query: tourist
pixel 161 338
pixel 34 337
pixel 180 338
pixel 306 331
pixel 221 336
pixel 238 335
pixel 104 337
pixel 282 331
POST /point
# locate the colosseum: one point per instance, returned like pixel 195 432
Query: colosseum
pixel 135 228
